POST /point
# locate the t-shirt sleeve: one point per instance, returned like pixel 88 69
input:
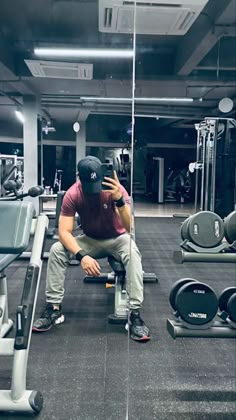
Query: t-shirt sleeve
pixel 68 206
pixel 125 195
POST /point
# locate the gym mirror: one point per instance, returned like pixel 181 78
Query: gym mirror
pixel 76 59
pixel 179 81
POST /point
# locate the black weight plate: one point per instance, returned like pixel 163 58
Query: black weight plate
pixel 224 298
pixel 206 229
pixel 184 229
pixel 230 227
pixel 175 288
pixel 231 307
pixel 196 303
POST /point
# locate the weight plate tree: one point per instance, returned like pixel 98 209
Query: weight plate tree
pixel 204 229
pixel 230 227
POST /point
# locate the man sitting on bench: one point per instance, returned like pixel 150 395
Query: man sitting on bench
pixel 105 217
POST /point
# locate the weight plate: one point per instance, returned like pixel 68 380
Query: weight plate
pixel 230 227
pixel 175 288
pixel 224 298
pixel 184 229
pixel 196 303
pixel 206 229
pixel 231 307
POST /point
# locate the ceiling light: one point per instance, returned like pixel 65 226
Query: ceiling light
pixel 146 116
pixel 96 98
pixel 47 129
pixel 83 52
pixel 20 116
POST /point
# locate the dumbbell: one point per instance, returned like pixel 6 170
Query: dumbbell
pixel 230 227
pixel 204 229
pixel 227 306
pixel 195 303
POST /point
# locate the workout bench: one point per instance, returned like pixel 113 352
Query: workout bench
pixel 15 228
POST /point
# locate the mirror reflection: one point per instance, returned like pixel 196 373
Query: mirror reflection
pixel 182 191
pixel 65 127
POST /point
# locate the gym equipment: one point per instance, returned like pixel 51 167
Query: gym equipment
pixel 195 303
pixel 121 298
pixel 182 256
pixel 175 288
pixel 16 224
pixel 227 306
pixel 57 181
pixel 11 168
pixel 51 232
pixel 158 180
pixel 177 186
pixel 215 165
pixel 117 279
pixel 195 306
pixel 230 227
pixel 202 236
pixel 204 229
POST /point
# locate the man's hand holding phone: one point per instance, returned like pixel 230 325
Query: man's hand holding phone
pixel 112 186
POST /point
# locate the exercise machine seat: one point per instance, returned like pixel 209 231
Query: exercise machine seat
pixel 6 260
pixel 15 226
pixel 116 265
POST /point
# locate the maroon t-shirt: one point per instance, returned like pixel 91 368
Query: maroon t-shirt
pixel 98 217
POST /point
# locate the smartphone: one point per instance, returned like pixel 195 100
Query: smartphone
pixel 108 171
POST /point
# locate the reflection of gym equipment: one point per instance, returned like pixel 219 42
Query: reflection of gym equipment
pixel 195 306
pixel 123 171
pixel 215 165
pixel 52 232
pixel 227 306
pixel 57 181
pixel 16 223
pixel 204 229
pixel 177 185
pixel 195 303
pixel 117 279
pixel 203 235
pixel 11 168
pixel 158 179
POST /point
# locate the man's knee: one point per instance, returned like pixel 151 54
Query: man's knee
pixel 58 250
pixel 132 254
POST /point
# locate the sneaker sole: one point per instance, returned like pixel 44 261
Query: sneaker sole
pixel 141 339
pixel 135 338
pixel 58 321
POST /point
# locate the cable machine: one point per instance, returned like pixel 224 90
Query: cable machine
pixel 215 165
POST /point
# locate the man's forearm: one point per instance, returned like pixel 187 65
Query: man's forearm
pixel 69 242
pixel 125 215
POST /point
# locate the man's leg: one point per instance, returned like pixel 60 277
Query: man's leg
pixel 125 249
pixel 58 261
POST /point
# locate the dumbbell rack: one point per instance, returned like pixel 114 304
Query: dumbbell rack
pixel 219 329
pixel 196 305
pixel 206 238
pixel 223 253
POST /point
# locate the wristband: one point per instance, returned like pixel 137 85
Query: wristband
pixel 80 255
pixel 121 202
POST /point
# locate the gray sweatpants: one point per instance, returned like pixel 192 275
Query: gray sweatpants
pixel 117 247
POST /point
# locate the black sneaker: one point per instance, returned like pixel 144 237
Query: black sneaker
pixel 138 330
pixel 48 318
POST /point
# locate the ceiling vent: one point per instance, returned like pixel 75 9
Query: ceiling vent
pixel 153 17
pixel 60 70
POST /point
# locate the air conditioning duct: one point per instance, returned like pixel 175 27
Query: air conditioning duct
pixel 153 17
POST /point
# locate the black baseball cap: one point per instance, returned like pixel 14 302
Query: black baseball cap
pixel 90 174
